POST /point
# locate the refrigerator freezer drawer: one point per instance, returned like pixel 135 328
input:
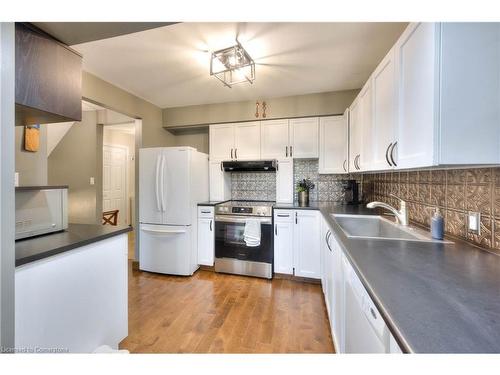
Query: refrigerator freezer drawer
pixel 165 249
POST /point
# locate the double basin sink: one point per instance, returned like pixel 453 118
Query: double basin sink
pixel 378 227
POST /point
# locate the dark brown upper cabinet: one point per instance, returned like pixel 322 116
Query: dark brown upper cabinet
pixel 48 78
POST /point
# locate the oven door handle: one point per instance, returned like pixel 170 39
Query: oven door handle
pixel 237 219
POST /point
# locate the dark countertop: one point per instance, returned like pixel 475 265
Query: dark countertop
pixel 41 187
pixel 210 203
pixel 435 297
pixel 77 235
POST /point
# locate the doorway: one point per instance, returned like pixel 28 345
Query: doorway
pixel 118 171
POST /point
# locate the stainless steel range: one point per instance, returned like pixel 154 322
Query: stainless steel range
pixel 244 238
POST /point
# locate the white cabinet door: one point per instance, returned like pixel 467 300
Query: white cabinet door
pixel 417 80
pixel 221 139
pixel 247 140
pixel 304 137
pixel 365 160
pixel 220 182
pixel 283 241
pixel 337 293
pixel 384 113
pixel 355 135
pixel 275 140
pixel 284 181
pixel 307 244
pixel 324 257
pixel 333 144
pixel 206 241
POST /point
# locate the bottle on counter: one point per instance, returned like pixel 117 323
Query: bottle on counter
pixel 437 225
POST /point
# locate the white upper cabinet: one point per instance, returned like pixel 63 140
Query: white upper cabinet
pixel 220 182
pixel 448 112
pixel 365 158
pixel 221 139
pixel 355 135
pixel 238 141
pixel 333 140
pixel 247 140
pixel 384 113
pixel 304 134
pixel 417 79
pixel 275 140
pixel 284 181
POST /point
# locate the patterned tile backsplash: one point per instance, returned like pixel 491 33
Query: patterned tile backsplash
pixel 454 191
pixel 328 187
pixel 262 185
pixel 253 186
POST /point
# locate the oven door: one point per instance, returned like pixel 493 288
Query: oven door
pixel 229 242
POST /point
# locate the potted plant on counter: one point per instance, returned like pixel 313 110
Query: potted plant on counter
pixel 303 187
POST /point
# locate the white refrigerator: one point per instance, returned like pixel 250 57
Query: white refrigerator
pixel 172 181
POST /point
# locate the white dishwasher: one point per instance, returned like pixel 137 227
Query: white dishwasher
pixel 365 330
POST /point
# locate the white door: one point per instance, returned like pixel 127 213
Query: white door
pixel 175 182
pixel 284 181
pixel 275 142
pixel 247 141
pixel 150 210
pixel 114 181
pixel 384 112
pixel 283 241
pixel 220 184
pixel 333 144
pixel 307 244
pixel 206 241
pixel 355 135
pixel 416 77
pixel 304 137
pixel 221 138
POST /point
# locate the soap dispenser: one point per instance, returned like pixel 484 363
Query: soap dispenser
pixel 437 225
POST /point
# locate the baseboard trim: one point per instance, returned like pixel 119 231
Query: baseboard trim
pixel 284 276
pixel 207 268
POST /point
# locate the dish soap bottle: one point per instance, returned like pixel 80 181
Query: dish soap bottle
pixel 437 225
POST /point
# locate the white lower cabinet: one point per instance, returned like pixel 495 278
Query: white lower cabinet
pixel 206 238
pixel 283 241
pixel 297 243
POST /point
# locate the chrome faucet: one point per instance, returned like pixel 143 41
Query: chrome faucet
pixel 401 215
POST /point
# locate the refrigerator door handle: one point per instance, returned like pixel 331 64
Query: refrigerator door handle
pixel 163 184
pixel 157 177
pixel 164 231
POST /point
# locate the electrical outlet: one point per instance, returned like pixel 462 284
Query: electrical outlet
pixel 92 181
pixel 474 222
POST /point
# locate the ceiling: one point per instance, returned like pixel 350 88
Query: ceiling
pixel 169 66
pixel 80 32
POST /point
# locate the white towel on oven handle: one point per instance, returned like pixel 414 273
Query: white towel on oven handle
pixel 252 233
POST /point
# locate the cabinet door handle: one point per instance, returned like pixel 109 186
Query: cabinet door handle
pixel 343 165
pixel 356 165
pixel 275 229
pixel 296 219
pixel 286 151
pixel 387 154
pixel 231 154
pixel 236 153
pixel 221 169
pixel 392 153
pixel 327 239
pixel 210 225
pixel 291 148
pixel 283 215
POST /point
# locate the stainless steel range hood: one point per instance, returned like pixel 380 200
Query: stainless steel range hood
pixel 249 166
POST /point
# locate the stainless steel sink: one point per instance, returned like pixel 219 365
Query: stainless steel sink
pixel 377 227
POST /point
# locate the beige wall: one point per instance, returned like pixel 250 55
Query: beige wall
pixel 72 162
pixel 198 140
pixel 112 97
pixel 329 103
pixel 31 166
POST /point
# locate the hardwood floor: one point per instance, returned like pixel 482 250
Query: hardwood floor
pixel 217 313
